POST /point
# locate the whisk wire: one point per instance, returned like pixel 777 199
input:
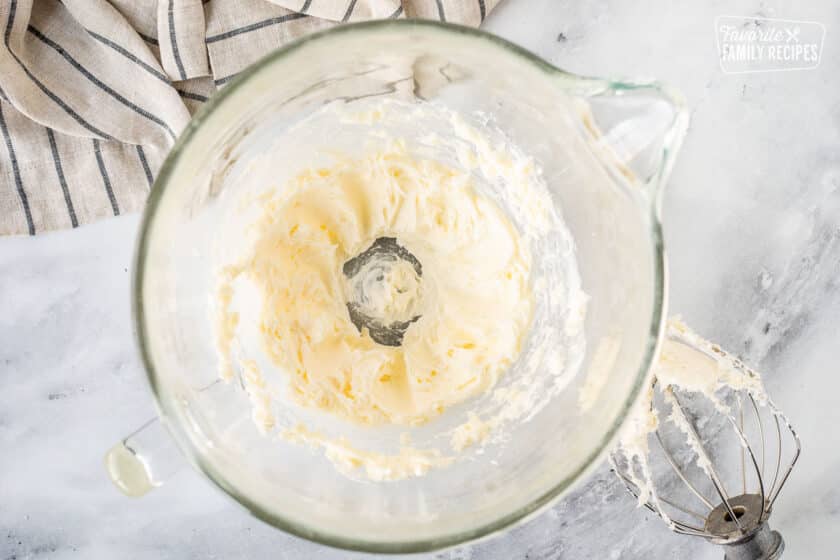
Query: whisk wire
pixel 680 474
pixel 685 510
pixel 761 433
pixel 704 456
pixel 778 457
pixel 678 525
pixel 746 444
pixel 743 452
pixel 793 461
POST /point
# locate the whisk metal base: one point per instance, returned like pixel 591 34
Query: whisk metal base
pixel 763 544
pixel 753 540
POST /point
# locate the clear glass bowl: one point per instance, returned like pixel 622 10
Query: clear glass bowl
pixel 604 147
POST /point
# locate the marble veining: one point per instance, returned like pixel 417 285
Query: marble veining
pixel 752 217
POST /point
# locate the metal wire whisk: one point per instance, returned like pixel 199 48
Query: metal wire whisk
pixel 736 522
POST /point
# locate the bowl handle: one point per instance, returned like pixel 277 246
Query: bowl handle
pixel 143 460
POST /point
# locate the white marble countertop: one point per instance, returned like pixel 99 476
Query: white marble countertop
pixel 753 235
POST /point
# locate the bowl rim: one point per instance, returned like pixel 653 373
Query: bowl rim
pixel 171 415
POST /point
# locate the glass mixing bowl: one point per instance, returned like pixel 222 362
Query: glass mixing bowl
pixel 604 147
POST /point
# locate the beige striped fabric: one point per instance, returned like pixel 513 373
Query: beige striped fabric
pixel 93 93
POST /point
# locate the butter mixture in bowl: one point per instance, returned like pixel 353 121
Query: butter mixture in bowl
pixel 384 288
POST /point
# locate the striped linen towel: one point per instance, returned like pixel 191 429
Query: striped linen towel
pixel 93 93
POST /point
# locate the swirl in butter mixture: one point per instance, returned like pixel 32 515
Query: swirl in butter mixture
pixel 451 280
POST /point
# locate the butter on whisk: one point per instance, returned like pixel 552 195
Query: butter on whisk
pixel 699 395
